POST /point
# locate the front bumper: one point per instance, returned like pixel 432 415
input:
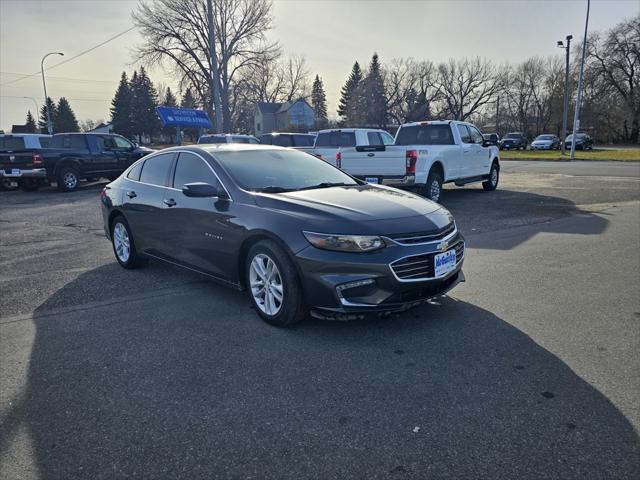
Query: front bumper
pixel 27 173
pixel 342 285
pixel 541 147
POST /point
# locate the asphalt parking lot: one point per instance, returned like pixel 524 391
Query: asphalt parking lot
pixel 528 370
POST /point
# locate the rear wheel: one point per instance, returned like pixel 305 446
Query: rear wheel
pixel 494 177
pixel 68 178
pixel 123 246
pixel 433 188
pixel 273 284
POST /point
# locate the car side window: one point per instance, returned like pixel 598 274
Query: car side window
pixel 476 136
pixel 465 136
pixel 386 138
pixel 191 168
pixel 282 140
pixel 374 138
pixel 134 173
pixel 121 143
pixel 156 169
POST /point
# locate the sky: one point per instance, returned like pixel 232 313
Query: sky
pixel 331 35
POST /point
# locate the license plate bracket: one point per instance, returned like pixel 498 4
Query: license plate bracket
pixel 444 262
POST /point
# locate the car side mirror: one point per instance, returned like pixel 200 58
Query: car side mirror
pixel 487 143
pixel 202 190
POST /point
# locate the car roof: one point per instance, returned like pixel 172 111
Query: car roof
pixel 223 147
pixel 289 133
pixel 350 130
pixel 34 135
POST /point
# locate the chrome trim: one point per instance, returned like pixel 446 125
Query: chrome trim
pixel 439 240
pixel 151 155
pixel 428 279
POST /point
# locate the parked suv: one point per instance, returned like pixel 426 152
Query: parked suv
pixel 515 140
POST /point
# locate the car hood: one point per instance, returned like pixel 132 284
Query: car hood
pixel 359 209
pixel 542 142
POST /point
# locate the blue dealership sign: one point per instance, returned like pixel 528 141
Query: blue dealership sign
pixel 183 117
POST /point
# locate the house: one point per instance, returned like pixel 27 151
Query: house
pixel 297 116
pixel 102 128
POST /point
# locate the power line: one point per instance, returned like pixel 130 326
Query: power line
pixel 71 58
pixel 74 99
pixel 69 79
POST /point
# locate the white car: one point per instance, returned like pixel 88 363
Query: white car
pixel 329 142
pixel 228 138
pixel 426 155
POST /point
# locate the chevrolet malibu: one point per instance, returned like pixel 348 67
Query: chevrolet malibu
pixel 298 234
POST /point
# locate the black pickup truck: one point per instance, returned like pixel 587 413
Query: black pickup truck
pixel 69 158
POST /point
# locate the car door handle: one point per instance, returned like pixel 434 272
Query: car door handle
pixel 371 154
pixel 169 202
pixel 131 194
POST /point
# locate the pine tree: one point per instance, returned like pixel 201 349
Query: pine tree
pixel 188 100
pixel 42 122
pixel 145 100
pixel 169 99
pixel 348 93
pixel 319 102
pixel 65 118
pixel 122 108
pixel 30 124
pixel 374 99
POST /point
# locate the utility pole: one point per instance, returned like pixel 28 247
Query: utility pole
pixel 44 84
pixel 498 115
pixel 215 77
pixel 576 118
pixel 565 100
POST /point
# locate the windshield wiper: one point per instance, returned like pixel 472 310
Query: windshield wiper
pixel 273 189
pixel 328 185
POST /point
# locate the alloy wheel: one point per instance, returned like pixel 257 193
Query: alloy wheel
pixel 434 190
pixel 121 242
pixel 266 284
pixel 70 180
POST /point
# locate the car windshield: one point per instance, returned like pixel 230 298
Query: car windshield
pixel 425 135
pixel 280 170
pixel 545 137
pixel 579 136
pixel 512 135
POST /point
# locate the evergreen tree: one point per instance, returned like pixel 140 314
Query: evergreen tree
pixel 319 102
pixel 373 95
pixel 65 118
pixel 30 123
pixel 122 108
pixel 189 101
pixel 42 122
pixel 169 99
pixel 348 93
pixel 145 99
pixel 417 107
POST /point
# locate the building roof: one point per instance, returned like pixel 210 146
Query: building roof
pixel 268 107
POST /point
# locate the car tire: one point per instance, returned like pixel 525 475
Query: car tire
pixel 433 188
pixel 494 177
pixel 8 184
pixel 68 179
pixel 268 264
pixel 29 184
pixel 123 246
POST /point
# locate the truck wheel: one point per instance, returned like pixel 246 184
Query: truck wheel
pixel 29 184
pixel 68 179
pixel 494 176
pixel 433 188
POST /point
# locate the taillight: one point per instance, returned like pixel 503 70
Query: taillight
pixel 412 158
pixel 339 160
pixel 37 159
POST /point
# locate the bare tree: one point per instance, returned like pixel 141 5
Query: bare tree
pixel 410 89
pixel 466 86
pixel 175 34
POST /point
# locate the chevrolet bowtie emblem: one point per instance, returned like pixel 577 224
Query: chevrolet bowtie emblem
pixel 443 245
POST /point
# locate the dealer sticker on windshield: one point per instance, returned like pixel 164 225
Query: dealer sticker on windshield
pixel 445 262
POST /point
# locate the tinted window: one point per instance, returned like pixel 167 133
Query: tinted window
pixel 465 136
pixel 282 140
pixel 76 142
pixel 336 139
pixel 134 173
pixel 12 143
pixel 189 169
pixel 476 136
pixel 286 169
pixel 243 140
pixel 156 168
pixel 212 139
pixel 266 139
pixel 374 138
pixel 513 136
pixel 425 135
pixel 303 140
pixel 45 142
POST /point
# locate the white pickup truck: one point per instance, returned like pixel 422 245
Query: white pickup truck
pixel 424 156
pixel 329 142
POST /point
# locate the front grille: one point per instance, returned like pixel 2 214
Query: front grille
pixel 419 267
pixel 422 237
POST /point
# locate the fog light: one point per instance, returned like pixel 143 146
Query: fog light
pixel 359 283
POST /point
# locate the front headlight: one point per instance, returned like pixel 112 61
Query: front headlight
pixel 345 243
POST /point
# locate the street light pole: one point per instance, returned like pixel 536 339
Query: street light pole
pixel 576 118
pixel 215 78
pixel 35 103
pixel 565 100
pixel 44 84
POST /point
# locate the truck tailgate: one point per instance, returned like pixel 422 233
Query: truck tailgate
pixel 391 161
pixel 17 160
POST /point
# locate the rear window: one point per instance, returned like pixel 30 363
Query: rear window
pixel 212 139
pixel 336 139
pixel 513 135
pixel 303 140
pixel 281 140
pixel 425 135
pixel 11 143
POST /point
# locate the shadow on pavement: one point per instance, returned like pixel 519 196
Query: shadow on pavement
pixel 196 386
pixel 479 212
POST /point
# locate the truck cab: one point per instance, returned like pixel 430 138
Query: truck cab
pixel 329 142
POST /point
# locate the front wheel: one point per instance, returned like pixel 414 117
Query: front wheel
pixel 273 284
pixel 494 176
